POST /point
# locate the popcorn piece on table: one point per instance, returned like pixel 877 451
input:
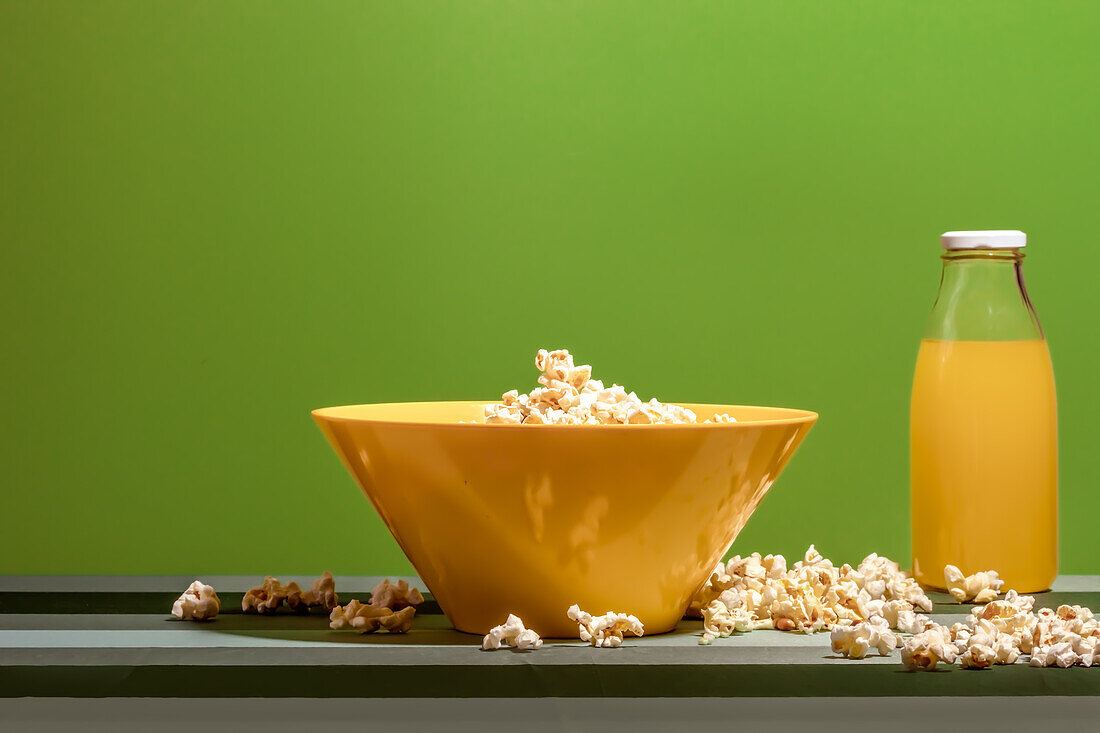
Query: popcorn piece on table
pixel 366 619
pixel 910 622
pixel 981 587
pixel 512 633
pixel 198 603
pixel 855 641
pixel 606 630
pixel 928 648
pixel 321 593
pixel 1078 620
pixel 266 598
pixel 719 620
pixel 1055 655
pixel 1087 649
pixel 977 656
pixel 395 595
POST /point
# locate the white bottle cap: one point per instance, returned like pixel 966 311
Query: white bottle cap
pixel 993 239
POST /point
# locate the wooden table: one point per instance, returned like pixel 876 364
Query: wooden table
pixel 113 637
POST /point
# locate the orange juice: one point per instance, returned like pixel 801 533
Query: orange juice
pixel 984 461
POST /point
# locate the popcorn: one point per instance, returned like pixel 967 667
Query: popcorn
pixel 366 618
pixel 1066 637
pixel 1087 649
pixel 321 593
pixel 907 589
pixel 512 633
pixel 395 596
pixel 981 645
pixel 569 396
pixel 719 620
pixel 1006 649
pixel 860 606
pixel 883 578
pixel 912 623
pixel 1078 620
pixel 891 610
pixel 981 587
pixel 855 641
pixel 1061 655
pixel 928 648
pixel 1012 616
pixel 812 595
pixel 977 656
pixel 198 603
pixel 266 598
pixel 606 630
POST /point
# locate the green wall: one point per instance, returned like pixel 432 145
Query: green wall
pixel 218 215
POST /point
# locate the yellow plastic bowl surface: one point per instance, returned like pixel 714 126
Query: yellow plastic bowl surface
pixel 530 519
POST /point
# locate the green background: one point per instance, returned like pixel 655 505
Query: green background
pixel 218 215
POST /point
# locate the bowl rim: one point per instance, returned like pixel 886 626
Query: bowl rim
pixel 798 416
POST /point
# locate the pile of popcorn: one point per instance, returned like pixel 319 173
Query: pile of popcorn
pixel 392 606
pixel 569 396
pixel 757 592
pixel 877 606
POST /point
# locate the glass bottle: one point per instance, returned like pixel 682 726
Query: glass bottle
pixel 983 423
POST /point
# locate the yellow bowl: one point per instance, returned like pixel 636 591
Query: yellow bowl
pixel 530 519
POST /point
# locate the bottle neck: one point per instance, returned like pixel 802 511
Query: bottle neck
pixel 983 298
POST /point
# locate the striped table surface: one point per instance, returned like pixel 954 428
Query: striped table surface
pixel 112 636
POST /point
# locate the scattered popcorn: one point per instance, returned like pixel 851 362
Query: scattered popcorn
pixel 981 587
pixel 860 606
pixel 928 648
pixel 321 593
pixel 395 595
pixel 198 603
pixel 569 396
pixel 511 633
pixel 366 618
pixel 855 641
pixel 606 630
pixel 266 598
pixel 1064 637
pixel 813 595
